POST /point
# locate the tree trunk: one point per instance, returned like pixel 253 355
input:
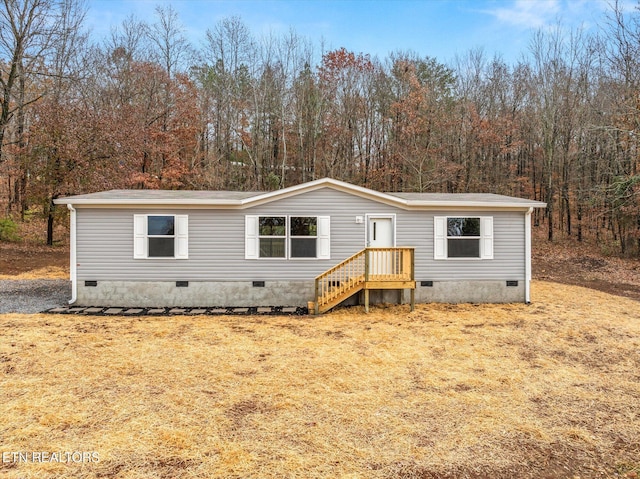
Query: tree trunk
pixel 51 219
pixel 579 218
pixel 567 207
pixel 550 212
pixel 21 181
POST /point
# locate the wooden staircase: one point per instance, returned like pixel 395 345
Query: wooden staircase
pixel 371 268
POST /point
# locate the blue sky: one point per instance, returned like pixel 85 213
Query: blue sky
pixel 435 28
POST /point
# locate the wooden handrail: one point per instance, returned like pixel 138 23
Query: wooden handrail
pixel 339 280
pixel 342 263
pixel 377 265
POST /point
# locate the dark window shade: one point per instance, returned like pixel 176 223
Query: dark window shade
pixel 303 248
pixel 161 247
pixel 463 248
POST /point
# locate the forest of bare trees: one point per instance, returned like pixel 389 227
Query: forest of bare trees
pixel 145 108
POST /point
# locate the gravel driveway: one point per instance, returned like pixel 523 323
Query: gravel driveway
pixel 33 295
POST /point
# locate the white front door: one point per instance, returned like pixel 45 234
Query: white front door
pixel 381 232
pixel 381 235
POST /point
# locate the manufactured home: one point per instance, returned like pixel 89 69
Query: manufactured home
pixel 322 243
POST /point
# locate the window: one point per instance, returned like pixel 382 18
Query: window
pixel 463 237
pixel 303 232
pixel 161 236
pixel 273 235
pixel 287 237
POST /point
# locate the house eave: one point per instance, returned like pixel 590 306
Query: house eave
pixel 139 202
pixel 248 202
pixel 479 205
pixel 86 201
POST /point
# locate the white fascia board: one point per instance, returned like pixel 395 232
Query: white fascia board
pixel 484 205
pixel 102 202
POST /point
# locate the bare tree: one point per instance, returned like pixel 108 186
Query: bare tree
pixel 170 47
pixel 39 41
pixel 621 67
pixel 228 55
pixel 24 38
pixel 130 39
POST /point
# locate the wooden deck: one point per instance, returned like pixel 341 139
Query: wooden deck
pixel 371 268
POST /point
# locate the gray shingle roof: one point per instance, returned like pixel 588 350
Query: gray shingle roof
pixel 248 198
pixel 170 195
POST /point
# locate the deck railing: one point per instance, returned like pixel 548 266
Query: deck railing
pixel 380 265
pixel 388 264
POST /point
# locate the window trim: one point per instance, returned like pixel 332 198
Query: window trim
pixel 141 237
pixel 322 237
pixel 441 238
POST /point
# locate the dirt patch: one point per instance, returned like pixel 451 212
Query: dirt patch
pixel 582 264
pixel 21 258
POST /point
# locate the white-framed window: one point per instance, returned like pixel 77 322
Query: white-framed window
pixel 463 237
pixel 273 236
pixel 303 236
pixel 287 237
pixel 161 236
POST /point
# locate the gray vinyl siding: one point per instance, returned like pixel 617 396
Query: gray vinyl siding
pixel 217 252
pixel 508 261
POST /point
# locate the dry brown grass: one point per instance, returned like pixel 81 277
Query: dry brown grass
pixel 550 389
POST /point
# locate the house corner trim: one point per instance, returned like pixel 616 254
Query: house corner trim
pixel 72 255
pixel 527 255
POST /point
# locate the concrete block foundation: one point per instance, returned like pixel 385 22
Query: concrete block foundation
pixel 146 294
pixel 471 292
